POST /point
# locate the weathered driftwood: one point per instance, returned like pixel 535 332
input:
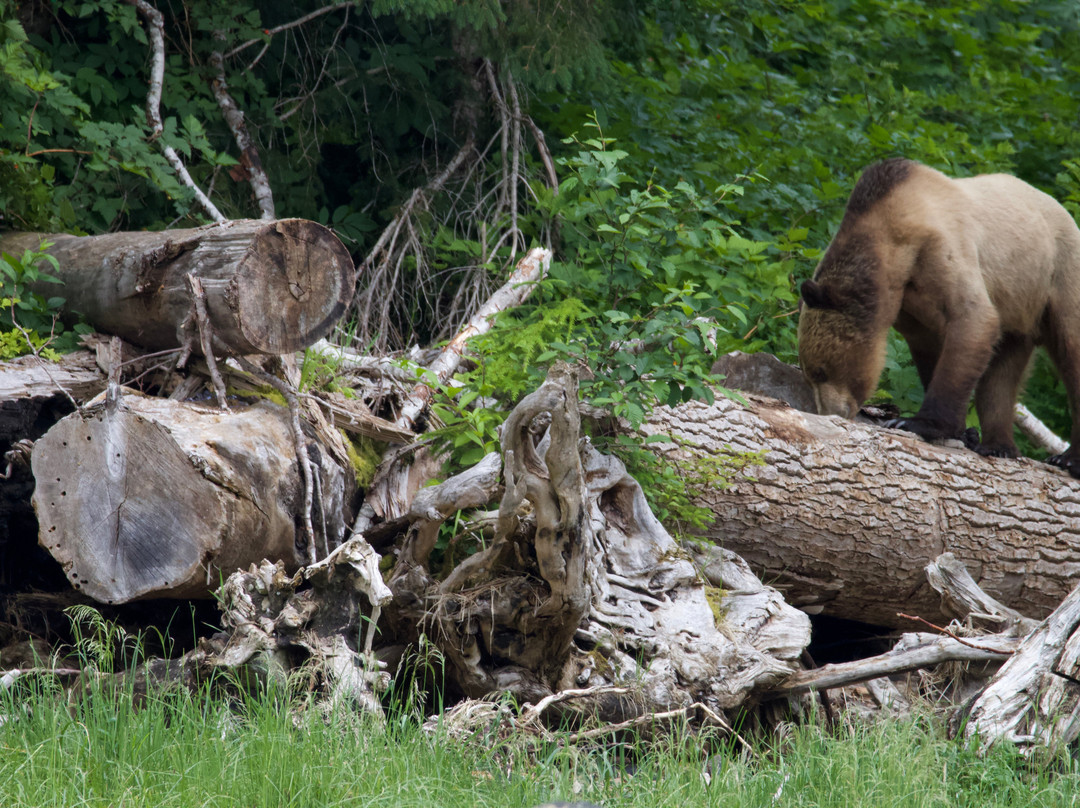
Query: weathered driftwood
pixel 582 587
pixel 269 616
pixel 913 651
pixel 151 497
pixel 271 287
pixel 29 386
pixel 1034 700
pixel 843 516
pixel 963 599
pixel 396 482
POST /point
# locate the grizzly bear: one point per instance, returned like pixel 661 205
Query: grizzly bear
pixel 973 273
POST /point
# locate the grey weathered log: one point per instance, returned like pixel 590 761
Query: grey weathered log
pixel 844 516
pixel 963 599
pixel 271 287
pixel 29 385
pixel 160 498
pixel 1034 700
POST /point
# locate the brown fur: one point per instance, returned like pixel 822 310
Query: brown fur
pixel 974 273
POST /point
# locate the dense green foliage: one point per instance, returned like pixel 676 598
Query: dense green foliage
pixel 707 148
pixel 178 750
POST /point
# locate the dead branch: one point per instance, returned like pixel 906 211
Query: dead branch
pixel 155 24
pixel 234 117
pixel 914 651
pixel 1037 431
pixel 206 337
pixel 530 270
pixel 291 24
pixel 300 447
pixel 1034 700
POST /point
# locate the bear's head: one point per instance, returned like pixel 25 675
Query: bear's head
pixel 841 352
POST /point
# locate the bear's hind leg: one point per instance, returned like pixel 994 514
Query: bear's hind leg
pixel 996 394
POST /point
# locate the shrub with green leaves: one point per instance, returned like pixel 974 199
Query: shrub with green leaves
pixel 30 322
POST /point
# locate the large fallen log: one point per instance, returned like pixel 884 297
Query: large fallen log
pixel 844 516
pixel 151 497
pixel 271 287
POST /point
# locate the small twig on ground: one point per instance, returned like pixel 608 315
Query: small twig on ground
pixel 948 633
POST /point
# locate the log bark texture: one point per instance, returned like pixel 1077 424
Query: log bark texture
pixel 161 498
pixel 271 287
pixel 844 516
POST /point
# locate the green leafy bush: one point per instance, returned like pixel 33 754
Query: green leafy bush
pixel 30 322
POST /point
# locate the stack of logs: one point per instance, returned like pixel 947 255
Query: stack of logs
pixel 580 601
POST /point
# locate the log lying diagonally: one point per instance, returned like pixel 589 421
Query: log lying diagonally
pixel 844 516
pixel 271 287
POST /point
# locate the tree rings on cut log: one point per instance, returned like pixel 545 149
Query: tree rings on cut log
pixel 160 498
pixel 299 262
pixel 271 287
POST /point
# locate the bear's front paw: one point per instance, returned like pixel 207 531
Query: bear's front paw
pixel 996 450
pixel 1066 460
pixel 925 428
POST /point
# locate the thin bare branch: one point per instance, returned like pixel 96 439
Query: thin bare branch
pixel 287 25
pixel 155 24
pixel 234 117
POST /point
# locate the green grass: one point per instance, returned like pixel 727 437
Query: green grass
pixel 179 750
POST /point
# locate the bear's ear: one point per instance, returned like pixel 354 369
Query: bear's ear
pixel 816 296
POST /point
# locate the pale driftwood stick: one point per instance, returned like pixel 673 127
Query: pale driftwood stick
pixel 912 652
pixel 430 507
pixel 1034 700
pixel 299 445
pixel 155 24
pixel 206 338
pixel 249 155
pixel 962 598
pixel 1037 431
pixel 530 270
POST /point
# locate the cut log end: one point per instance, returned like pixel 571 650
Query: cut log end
pixel 112 531
pixel 300 262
